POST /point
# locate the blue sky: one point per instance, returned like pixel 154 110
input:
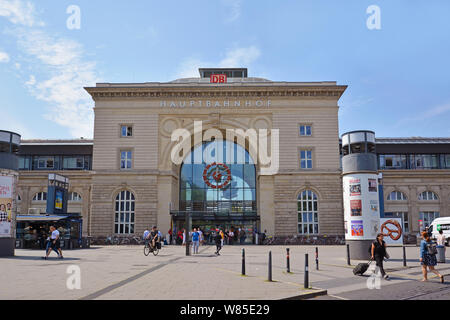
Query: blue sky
pixel 398 76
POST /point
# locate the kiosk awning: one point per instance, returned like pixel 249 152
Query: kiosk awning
pixel 41 218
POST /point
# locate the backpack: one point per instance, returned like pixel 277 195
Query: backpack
pixel 431 248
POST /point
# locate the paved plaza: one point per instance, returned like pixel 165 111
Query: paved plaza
pixel 123 272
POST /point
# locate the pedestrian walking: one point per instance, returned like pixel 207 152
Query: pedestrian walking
pixel 184 237
pixel 242 236
pixel 195 241
pixel 222 236
pixel 440 239
pixel 54 244
pixel 200 236
pixel 230 237
pixel 379 252
pixel 428 259
pixel 219 241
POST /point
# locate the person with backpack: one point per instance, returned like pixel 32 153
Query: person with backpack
pixel 428 259
pixel 218 238
pixel 378 253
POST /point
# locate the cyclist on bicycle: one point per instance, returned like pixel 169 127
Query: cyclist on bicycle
pixel 154 236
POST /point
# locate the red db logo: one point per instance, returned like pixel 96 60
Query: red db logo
pixel 218 78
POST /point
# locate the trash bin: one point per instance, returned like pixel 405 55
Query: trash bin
pixel 440 254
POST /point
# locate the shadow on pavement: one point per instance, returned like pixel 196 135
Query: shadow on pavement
pixel 27 258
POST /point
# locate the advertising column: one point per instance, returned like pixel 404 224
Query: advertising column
pixel 7 214
pixel 9 163
pixel 360 192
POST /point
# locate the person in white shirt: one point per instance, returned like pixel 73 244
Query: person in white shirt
pixel 54 243
pixel 440 239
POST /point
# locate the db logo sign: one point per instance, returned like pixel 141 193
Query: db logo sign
pixel 218 78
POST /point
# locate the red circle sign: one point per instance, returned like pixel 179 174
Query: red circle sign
pixel 217 175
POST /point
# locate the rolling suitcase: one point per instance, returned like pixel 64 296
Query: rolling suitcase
pixel 361 268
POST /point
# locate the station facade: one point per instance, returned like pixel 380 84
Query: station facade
pixel 125 179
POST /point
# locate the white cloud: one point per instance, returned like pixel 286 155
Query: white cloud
pixel 234 58
pixel 428 114
pixel 4 57
pixel 234 11
pixel 240 57
pixel 60 63
pixel 19 12
pixel 32 81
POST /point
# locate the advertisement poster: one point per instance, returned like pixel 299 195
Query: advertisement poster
pixel 6 186
pixel 373 185
pixel 392 230
pixel 357 228
pixel 355 187
pixel 59 200
pixel 361 206
pixel 356 207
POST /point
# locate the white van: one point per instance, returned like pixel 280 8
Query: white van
pixel 444 225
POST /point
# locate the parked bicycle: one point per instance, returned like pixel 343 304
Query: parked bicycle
pixel 269 241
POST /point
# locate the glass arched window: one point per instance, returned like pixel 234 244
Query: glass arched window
pixel 308 214
pixel 40 196
pixel 74 196
pixel 397 196
pixel 124 213
pixel 218 176
pixel 428 195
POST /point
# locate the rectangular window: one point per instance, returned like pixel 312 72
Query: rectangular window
pixel 424 161
pixel 392 161
pixel 306 159
pixel 24 163
pixel 445 161
pixel 126 131
pixel 43 163
pixel 427 218
pixel 305 130
pixel 73 163
pixel 125 159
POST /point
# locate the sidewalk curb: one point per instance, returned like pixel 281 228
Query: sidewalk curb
pixel 309 295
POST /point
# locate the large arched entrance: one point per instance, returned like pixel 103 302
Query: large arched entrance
pixel 218 189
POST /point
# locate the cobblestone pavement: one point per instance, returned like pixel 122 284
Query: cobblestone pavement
pixel 123 272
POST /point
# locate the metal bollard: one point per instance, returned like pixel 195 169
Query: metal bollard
pixel 243 262
pixel 269 278
pixel 306 284
pixel 404 256
pixel 288 266
pixel 348 255
pixel 317 258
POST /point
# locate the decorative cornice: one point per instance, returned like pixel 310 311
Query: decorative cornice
pixel 97 93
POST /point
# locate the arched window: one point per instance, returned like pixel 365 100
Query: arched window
pixel 73 196
pixel 18 198
pixel 308 215
pixel 223 180
pixel 40 196
pixel 428 195
pixel 397 196
pixel 124 213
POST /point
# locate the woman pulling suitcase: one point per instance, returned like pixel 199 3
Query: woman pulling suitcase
pixel 379 252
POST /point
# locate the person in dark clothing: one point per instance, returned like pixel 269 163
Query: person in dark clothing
pixel 218 240
pixel 378 253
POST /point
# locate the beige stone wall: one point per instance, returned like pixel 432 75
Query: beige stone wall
pixel 106 187
pixel 412 183
pixel 326 186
